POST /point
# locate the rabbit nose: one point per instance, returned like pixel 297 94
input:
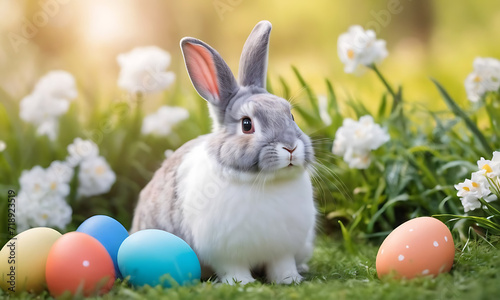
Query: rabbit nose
pixel 290 150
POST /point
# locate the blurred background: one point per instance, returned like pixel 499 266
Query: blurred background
pixel 425 39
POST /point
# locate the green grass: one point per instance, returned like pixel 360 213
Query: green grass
pixel 336 274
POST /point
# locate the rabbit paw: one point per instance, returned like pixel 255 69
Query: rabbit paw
pixel 283 271
pixel 234 276
pixel 302 268
pixel 233 280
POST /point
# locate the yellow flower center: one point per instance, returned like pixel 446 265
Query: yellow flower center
pixel 487 168
pixel 466 189
pixel 100 170
pixel 45 216
pixel 53 186
pixel 350 53
pixel 475 184
pixel 477 79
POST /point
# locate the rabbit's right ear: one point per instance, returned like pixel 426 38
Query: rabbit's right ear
pixel 209 73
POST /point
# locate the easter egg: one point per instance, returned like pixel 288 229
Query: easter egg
pixel 109 232
pixel 78 263
pixel 23 259
pixel 155 257
pixel 419 247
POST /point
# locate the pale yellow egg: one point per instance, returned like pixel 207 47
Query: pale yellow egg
pixel 23 258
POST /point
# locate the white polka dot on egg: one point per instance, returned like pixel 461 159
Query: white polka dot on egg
pixel 436 244
pixel 401 257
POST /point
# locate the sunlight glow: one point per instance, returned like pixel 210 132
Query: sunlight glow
pixel 106 21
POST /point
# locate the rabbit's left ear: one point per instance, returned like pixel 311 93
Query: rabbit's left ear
pixel 253 61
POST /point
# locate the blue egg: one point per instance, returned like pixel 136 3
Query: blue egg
pixel 155 257
pixel 109 232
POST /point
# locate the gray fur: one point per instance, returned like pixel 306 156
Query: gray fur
pixel 253 60
pixel 158 206
pixel 254 153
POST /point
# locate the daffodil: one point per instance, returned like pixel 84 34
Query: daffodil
pixel 354 140
pixel 161 122
pixel 484 78
pixel 491 167
pixel 41 200
pixel 49 100
pixel 143 70
pixel 80 150
pixel 358 47
pixel 95 177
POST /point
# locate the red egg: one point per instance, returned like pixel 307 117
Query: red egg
pixel 420 247
pixel 78 263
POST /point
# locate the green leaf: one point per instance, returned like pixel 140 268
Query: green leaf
pixel 347 239
pixel 452 105
pixel 310 94
pixel 382 107
pixel 391 202
pixel 332 104
pixel 286 88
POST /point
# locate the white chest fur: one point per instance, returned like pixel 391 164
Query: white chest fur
pixel 244 220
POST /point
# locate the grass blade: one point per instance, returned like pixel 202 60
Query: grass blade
pixel 452 105
pixel 333 104
pixel 310 94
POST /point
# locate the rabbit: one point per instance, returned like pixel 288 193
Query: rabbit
pixel 240 196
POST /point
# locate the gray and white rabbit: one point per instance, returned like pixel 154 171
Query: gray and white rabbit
pixel 240 196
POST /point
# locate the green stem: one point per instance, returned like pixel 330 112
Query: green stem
pixel 396 97
pixel 387 85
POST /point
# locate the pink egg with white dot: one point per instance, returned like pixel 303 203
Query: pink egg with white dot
pixel 419 247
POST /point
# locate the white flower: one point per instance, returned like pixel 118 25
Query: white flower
pixel 95 177
pixel 3 146
pixel 61 170
pixel 143 70
pixel 57 84
pixel 38 108
pixel 484 78
pixel 492 167
pixel 49 211
pixel 50 182
pixel 81 150
pixel 359 47
pixel 49 127
pixel 323 110
pixel 34 182
pixel 354 141
pixel 357 159
pixel 41 199
pixel 161 122
pixel 48 101
pixel 471 190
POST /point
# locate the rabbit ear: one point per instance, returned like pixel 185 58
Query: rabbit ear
pixel 210 75
pixel 253 61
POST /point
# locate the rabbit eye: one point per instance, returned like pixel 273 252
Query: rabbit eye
pixel 246 126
